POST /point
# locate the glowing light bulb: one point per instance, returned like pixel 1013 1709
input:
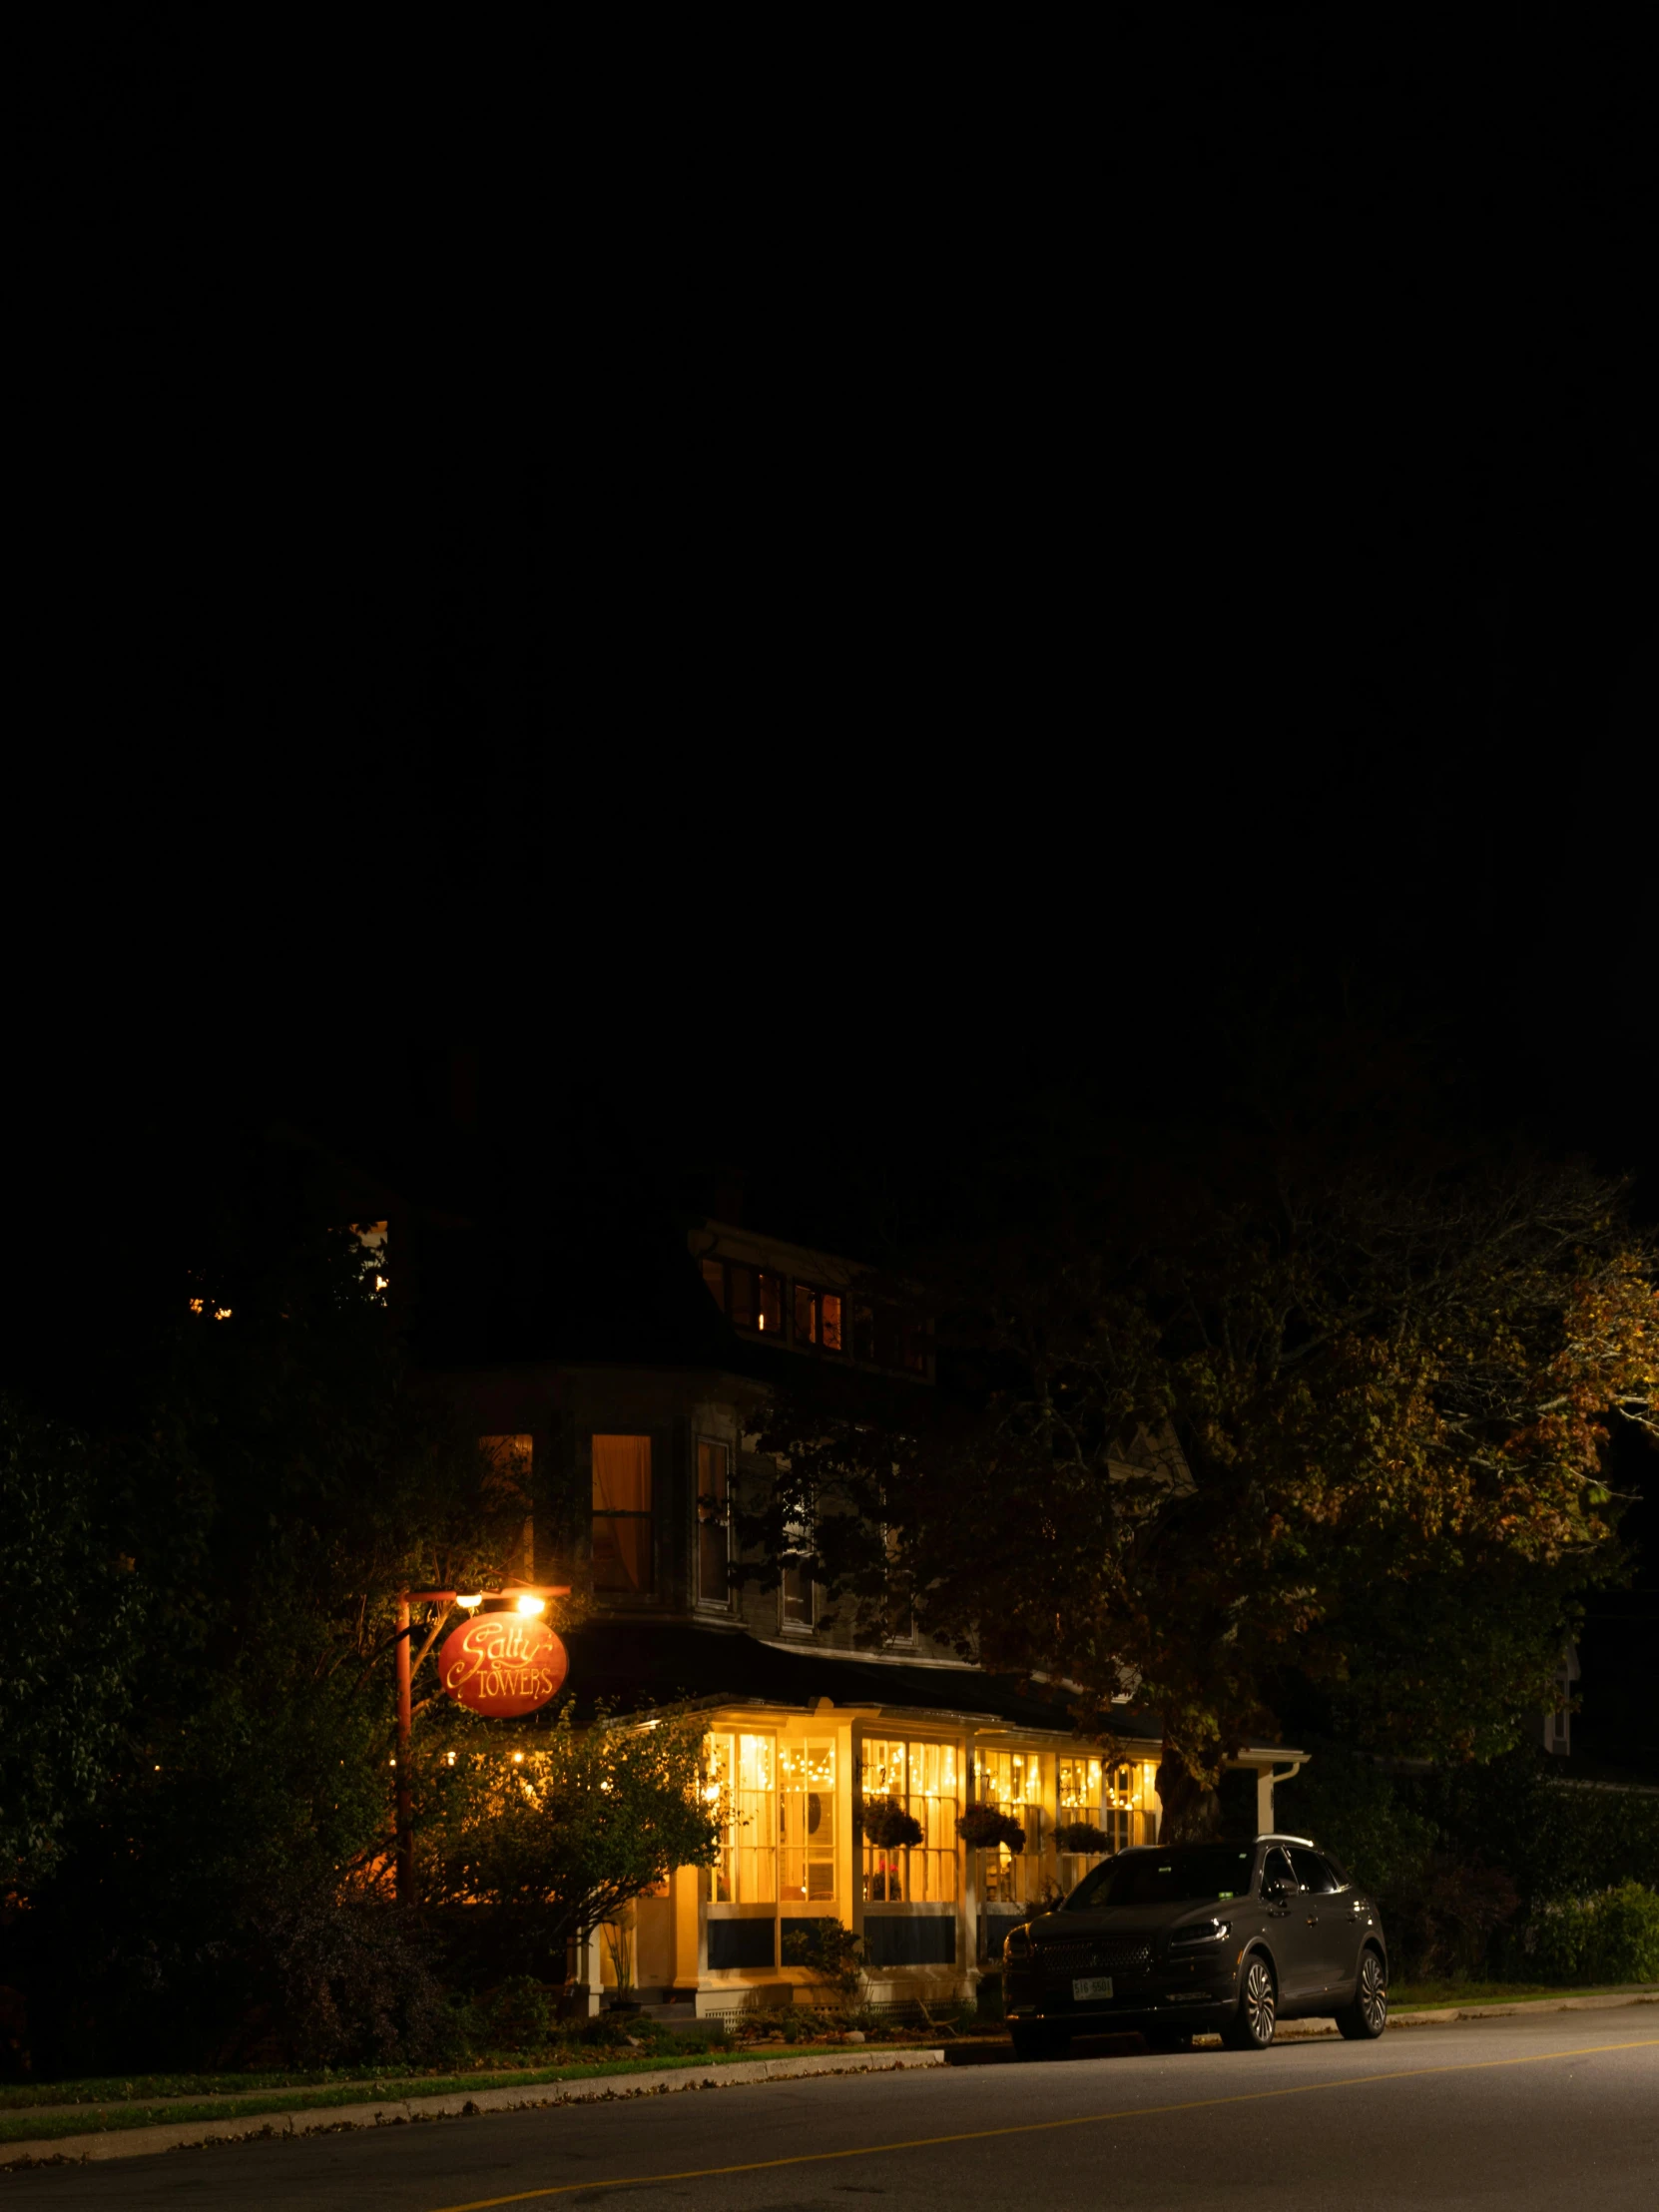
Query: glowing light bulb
pixel 518 1758
pixel 470 1603
pixel 532 1605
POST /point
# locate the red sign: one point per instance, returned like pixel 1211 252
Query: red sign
pixel 502 1664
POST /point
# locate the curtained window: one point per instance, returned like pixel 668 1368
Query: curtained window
pixel 624 1550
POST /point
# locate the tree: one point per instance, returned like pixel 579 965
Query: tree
pixel 545 1843
pixel 1319 1411
pixel 73 1608
pixel 284 1475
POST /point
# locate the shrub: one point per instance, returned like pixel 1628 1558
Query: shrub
pixel 887 1826
pixel 983 1826
pixel 826 1948
pixel 1081 1835
pixel 354 1987
pixel 1610 1937
pixel 519 2014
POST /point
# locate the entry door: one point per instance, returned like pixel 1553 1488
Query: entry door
pixel 1294 1942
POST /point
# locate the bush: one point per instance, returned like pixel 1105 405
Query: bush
pixel 354 1987
pixel 1610 1937
pixel 519 2014
pixel 826 1948
pixel 983 1826
pixel 887 1826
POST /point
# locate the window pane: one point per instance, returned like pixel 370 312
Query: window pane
pixel 805 1314
pixel 741 1775
pixel 621 1561
pixel 797 1592
pixel 830 1312
pixel 741 1282
pixel 714 1275
pixel 806 1822
pixel 713 1588
pixel 769 1293
pixel 622 1474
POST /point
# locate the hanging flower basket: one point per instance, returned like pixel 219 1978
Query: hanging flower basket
pixel 983 1826
pixel 887 1826
pixel 1081 1835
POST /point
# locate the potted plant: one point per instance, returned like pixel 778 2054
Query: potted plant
pixel 985 1826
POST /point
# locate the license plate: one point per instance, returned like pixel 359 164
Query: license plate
pixel 1089 1985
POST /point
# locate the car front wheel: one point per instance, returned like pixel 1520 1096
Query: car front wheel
pixel 1366 2018
pixel 1250 2027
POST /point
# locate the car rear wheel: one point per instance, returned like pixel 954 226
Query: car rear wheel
pixel 1036 2039
pixel 1366 2018
pixel 1251 2025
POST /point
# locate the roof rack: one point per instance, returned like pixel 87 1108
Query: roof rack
pixel 1277 1835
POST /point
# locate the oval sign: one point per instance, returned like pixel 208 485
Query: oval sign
pixel 502 1664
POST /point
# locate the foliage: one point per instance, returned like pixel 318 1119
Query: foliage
pixel 1465 1861
pixel 1333 1411
pixel 985 1826
pixel 828 1950
pixel 353 1984
pixel 1612 1937
pixel 1081 1836
pixel 885 1824
pixel 73 1610
pixel 536 1848
pixel 518 2015
pixel 286 1475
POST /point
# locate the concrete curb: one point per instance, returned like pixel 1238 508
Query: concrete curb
pixel 139 2142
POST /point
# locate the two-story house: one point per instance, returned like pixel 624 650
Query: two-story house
pixel 630 1428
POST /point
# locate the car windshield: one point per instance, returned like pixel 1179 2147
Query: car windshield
pixel 1192 1874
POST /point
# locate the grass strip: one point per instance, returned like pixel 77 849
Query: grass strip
pixel 25 2126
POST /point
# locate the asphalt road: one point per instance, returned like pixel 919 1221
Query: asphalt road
pixel 1556 2111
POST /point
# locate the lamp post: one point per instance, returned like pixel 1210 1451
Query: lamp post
pixel 528 1597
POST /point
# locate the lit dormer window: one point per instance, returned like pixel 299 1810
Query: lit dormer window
pixel 750 1298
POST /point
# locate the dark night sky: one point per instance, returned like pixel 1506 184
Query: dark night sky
pixel 994 571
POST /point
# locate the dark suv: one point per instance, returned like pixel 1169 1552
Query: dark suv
pixel 1200 1936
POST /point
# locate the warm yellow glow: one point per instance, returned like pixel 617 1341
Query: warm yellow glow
pixel 532 1605
pixel 380 1283
pixel 470 1602
pixel 518 1758
pixel 222 1313
pixel 195 1306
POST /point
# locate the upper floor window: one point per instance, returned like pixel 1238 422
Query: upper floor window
pixel 750 1298
pixel 817 1318
pixel 624 1547
pixel 714 1523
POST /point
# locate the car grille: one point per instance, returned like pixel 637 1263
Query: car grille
pixel 1095 1955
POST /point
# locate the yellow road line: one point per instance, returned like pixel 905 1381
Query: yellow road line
pixel 1041 2127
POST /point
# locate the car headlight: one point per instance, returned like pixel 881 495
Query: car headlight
pixel 1016 1945
pixel 1201 1932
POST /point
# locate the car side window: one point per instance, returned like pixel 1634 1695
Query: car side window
pixel 1313 1873
pixel 1277 1868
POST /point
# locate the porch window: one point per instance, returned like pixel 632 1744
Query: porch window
pixel 1082 1802
pixel 714 1523
pixel 1012 1781
pixel 624 1550
pixel 742 1778
pixel 1130 1815
pixel 923 1779
pixel 806 1822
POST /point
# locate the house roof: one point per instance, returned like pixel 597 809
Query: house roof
pixel 626 1664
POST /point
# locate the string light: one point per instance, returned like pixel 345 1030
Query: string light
pixel 532 1605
